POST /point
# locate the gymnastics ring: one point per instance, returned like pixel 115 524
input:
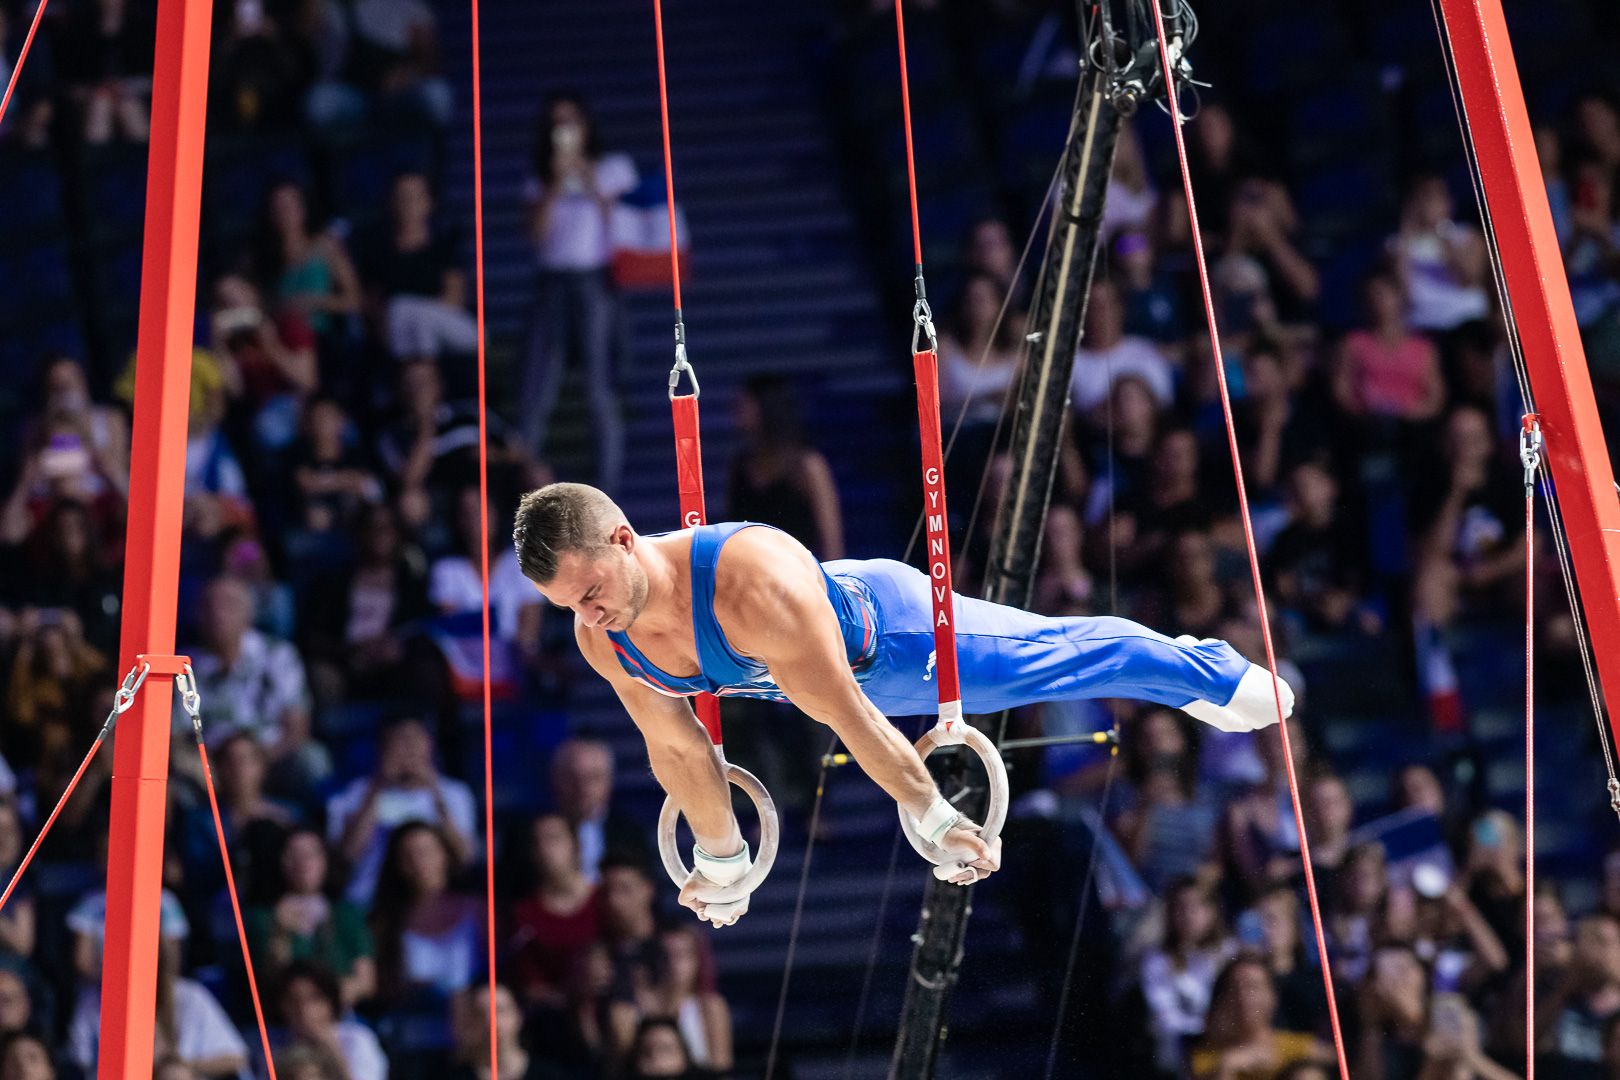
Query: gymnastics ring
pixel 958 732
pixel 770 836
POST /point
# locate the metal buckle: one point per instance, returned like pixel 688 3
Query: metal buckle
pixel 190 699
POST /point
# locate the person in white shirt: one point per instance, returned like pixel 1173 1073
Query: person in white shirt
pixel 571 196
pixel 1107 354
pixel 252 682
pixel 191 1024
pixel 405 787
pixel 1443 264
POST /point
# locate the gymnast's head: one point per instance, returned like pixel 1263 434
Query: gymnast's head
pixel 575 544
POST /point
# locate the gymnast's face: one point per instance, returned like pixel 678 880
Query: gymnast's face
pixel 606 590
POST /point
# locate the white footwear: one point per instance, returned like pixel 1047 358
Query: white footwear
pixel 1253 706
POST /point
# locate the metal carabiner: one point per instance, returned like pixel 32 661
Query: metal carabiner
pixel 1530 444
pixel 682 364
pixel 125 697
pixel 190 699
pixel 922 322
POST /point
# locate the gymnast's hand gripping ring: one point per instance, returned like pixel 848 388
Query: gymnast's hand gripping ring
pixel 952 730
pixel 770 836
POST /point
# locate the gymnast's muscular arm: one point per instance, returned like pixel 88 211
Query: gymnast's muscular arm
pixel 682 757
pixel 772 603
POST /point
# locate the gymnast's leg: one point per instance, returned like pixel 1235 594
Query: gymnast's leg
pixel 1009 657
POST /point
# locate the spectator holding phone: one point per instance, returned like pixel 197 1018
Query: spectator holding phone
pixel 575 319
pixel 406 786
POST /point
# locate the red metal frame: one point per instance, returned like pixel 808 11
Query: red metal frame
pixel 1539 292
pixel 152 550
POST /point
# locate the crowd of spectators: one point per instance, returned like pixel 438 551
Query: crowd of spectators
pixel 330 579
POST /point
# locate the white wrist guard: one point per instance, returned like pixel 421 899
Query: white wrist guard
pixel 721 871
pixel 938 820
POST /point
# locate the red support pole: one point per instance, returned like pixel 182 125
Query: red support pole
pixel 152 550
pixel 1493 101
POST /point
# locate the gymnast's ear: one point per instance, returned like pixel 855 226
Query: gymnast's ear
pixel 623 536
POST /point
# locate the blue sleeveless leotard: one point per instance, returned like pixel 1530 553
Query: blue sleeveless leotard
pixel 1006 657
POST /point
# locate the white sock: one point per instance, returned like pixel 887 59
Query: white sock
pixel 1253 705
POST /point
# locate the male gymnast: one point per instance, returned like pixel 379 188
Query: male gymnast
pixel 744 610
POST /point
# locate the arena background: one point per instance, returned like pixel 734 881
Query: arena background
pixel 329 590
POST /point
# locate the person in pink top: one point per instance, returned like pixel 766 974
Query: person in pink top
pixel 1388 369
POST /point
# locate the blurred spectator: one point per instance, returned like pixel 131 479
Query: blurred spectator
pixel 1107 355
pixel 18 919
pixel 1442 262
pixel 674 991
pixel 333 481
pixel 406 788
pixel 1587 994
pixel 1492 875
pixel 254 824
pixel 106 61
pixel 302 921
pixel 273 356
pixel 1132 200
pixel 554 919
pixel 102 429
pixel 1387 370
pixel 980 357
pixel 429 937
pixel 1329 813
pixel 16 1002
pixel 216 488
pixel 1241 1040
pixel 1177 976
pixel 1120 455
pixel 1352 908
pixel 455 580
pixel 777 477
pixel 312 1008
pixel 1276 427
pixel 629 926
pixel 469 1019
pixel 397 56
pixel 658 1050
pixel 1193 600
pixel 33 105
pixel 1592 252
pixel 1274 923
pixel 418 289
pixel 1550 154
pixel 571 194
pixel 357 621
pixel 307 268
pixel 990 250
pixel 1471 517
pixel 1259 839
pixel 1597 129
pixel 71 574
pixel 25 1056
pixel 254 683
pixel 191 1025
pixel 1263 278
pixel 582 791
pixel 1169 832
pixel 1316 561
pixel 1064 586
pixel 275 609
pixel 1221 157
pixel 256 70
pixel 1153 302
pixel 55 677
pixel 1393 1008
pixel 60 466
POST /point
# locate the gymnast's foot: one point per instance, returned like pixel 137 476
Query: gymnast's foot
pixel 1253 706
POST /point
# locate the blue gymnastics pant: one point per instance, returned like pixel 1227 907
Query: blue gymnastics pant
pixel 1008 657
